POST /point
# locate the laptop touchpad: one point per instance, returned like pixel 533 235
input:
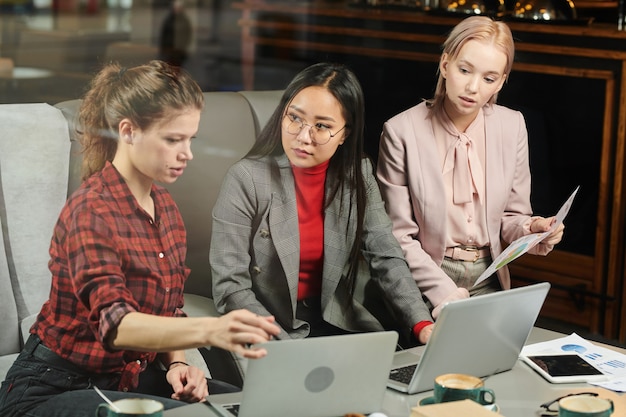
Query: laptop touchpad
pixel 406 357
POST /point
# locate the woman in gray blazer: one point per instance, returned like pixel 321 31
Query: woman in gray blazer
pixel 454 170
pixel 299 227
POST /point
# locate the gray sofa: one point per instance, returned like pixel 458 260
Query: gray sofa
pixel 40 167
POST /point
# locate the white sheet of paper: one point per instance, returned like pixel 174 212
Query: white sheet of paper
pixel 525 243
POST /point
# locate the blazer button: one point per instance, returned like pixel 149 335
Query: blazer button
pixel 256 270
pixel 264 233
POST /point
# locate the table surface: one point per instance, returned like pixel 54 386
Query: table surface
pixel 518 391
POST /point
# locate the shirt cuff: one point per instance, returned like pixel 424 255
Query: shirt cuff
pixel 419 327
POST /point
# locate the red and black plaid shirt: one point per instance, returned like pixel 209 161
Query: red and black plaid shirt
pixel 108 258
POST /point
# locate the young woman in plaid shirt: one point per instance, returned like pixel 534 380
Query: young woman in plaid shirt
pixel 118 262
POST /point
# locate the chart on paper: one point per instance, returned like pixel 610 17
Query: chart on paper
pixel 525 243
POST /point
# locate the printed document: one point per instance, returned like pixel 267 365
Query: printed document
pixel 610 362
pixel 525 243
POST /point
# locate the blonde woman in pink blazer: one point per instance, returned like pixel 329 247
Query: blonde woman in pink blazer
pixel 454 170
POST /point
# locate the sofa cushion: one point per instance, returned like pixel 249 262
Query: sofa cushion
pixel 5 363
pixel 69 109
pixel 262 104
pixel 8 307
pixel 227 130
pixel 34 157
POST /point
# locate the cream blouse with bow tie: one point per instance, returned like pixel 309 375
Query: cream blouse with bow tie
pixel 462 156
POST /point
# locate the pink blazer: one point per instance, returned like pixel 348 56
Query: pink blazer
pixel 409 173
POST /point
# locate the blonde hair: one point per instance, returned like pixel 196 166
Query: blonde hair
pixel 481 28
pixel 145 94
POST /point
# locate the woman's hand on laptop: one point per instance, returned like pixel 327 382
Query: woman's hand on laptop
pixel 458 294
pixel 239 329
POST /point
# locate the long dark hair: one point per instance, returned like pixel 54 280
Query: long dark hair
pixel 145 94
pixel 344 169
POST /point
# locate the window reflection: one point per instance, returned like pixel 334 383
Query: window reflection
pixel 49 49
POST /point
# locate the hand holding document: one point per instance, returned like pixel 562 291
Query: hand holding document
pixel 525 243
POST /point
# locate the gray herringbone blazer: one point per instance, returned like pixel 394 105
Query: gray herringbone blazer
pixel 255 253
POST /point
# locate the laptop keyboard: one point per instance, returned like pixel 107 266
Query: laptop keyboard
pixel 232 408
pixel 403 374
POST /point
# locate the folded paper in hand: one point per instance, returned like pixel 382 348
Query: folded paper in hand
pixel 525 243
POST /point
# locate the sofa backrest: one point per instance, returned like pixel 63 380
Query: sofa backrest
pixel 34 159
pixel 229 125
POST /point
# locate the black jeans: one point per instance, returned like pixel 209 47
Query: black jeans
pixel 42 384
pixel 310 310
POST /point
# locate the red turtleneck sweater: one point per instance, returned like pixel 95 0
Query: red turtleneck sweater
pixel 310 200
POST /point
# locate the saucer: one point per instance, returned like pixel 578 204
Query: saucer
pixel 431 400
pixel 493 407
pixel 427 401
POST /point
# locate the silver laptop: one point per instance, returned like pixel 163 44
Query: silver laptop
pixel 313 377
pixel 480 336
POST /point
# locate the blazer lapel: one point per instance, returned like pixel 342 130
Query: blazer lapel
pixel 337 246
pixel 283 221
pixel 494 170
pixel 433 207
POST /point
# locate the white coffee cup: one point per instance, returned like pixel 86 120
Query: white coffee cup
pixel 132 407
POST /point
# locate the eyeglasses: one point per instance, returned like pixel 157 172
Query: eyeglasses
pixel 548 406
pixel 320 134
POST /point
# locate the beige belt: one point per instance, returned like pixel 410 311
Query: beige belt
pixel 466 254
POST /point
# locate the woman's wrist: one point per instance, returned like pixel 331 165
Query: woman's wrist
pixel 176 364
pixel 417 329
